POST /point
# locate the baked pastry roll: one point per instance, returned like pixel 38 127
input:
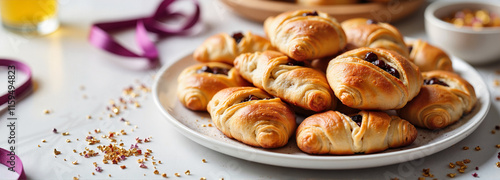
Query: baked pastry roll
pixel 325 2
pixel 252 116
pixel 428 57
pixel 332 132
pixel 442 101
pixel 224 48
pixel 285 78
pixel 305 34
pixel 372 78
pixel 197 84
pixel 363 32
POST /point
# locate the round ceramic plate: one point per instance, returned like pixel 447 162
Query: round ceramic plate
pixel 197 126
pixel 259 10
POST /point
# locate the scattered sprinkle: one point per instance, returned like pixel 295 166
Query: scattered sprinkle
pixel 204 161
pixel 65 133
pixel 498 164
pixel 156 172
pixel 56 152
pixel 452 165
pixel 109 175
pixel 123 166
pixel 477 148
pixel 74 162
pixel 451 175
pixel 203 178
pixel 43 140
pixel 164 175
pixel 46 111
pixel 39 145
pixel 89 117
pixel 178 175
pixel 68 141
pixel 475 175
pixel 465 148
pixel 466 161
pixel 498 145
pixel 187 172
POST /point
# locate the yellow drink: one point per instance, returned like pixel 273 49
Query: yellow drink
pixel 28 15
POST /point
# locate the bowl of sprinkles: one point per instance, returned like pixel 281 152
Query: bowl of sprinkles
pixel 469 30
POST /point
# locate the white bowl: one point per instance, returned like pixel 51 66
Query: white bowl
pixel 474 46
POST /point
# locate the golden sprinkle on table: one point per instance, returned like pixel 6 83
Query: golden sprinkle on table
pixel 75 178
pixel 204 161
pixel 452 165
pixel 203 178
pixel 493 132
pixel 68 141
pixel 43 140
pixel 156 172
pixel 460 163
pixel 89 117
pixel 498 145
pixel 460 170
pixel 498 164
pixel 74 162
pixel 177 174
pixel 109 175
pixel 123 166
pixel 465 148
pixel 466 161
pixel 477 148
pixel 187 172
pixel 65 133
pixel 451 175
pixel 203 125
pixel 46 111
pixel 164 175
pixel 93 173
pixel 56 152
pixel 39 145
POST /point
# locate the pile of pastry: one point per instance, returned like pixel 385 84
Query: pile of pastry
pixel 362 88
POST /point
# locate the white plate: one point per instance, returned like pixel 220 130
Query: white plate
pixel 191 124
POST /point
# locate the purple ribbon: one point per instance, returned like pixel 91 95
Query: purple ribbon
pixel 8 158
pixel 5 159
pixel 101 38
pixel 25 86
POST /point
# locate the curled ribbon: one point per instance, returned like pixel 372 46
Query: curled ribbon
pixel 8 158
pixel 101 38
pixel 5 159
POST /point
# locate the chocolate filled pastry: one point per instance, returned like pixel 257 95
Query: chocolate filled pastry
pixel 305 34
pixel 224 48
pixel 371 78
pixel 197 84
pixel 442 101
pixel 325 2
pixel 252 116
pixel 332 132
pixel 428 57
pixel 287 79
pixel 363 32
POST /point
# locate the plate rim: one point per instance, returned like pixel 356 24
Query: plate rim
pixel 203 140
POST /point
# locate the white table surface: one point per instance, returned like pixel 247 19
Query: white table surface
pixel 66 68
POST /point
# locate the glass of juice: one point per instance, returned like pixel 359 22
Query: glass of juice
pixel 37 17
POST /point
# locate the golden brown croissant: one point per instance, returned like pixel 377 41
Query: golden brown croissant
pixel 332 132
pixel 252 116
pixel 197 84
pixel 224 48
pixel 280 76
pixel 325 2
pixel 428 57
pixel 371 78
pixel 363 32
pixel 305 34
pixel 442 101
